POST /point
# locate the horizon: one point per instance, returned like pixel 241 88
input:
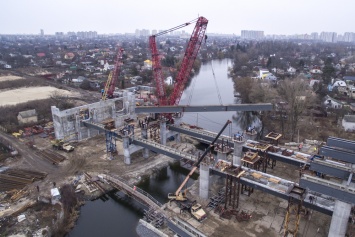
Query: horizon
pixel 110 17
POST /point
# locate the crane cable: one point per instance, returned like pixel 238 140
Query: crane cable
pixel 192 91
pixel 215 82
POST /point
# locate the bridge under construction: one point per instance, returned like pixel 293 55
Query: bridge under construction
pixel 244 172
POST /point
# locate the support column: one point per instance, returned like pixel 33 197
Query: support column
pixel 222 151
pixel 237 153
pixel 340 219
pixel 144 130
pixel 204 180
pixel 221 155
pixel 177 122
pixel 163 131
pixel 126 152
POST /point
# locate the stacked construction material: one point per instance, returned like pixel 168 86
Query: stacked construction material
pixel 18 178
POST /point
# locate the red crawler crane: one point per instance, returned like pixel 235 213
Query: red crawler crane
pixel 113 77
pixel 187 62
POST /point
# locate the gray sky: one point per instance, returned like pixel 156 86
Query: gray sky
pixel 225 16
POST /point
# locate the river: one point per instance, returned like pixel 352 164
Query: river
pixel 120 216
pixel 205 89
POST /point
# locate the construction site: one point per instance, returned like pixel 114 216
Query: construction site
pixel 246 186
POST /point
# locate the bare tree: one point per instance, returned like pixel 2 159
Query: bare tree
pixel 297 94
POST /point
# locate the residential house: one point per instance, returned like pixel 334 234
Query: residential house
pixel 69 56
pixel 316 71
pixel 348 123
pixel 148 64
pixel 80 79
pixel 291 70
pixel 263 73
pixel 28 116
pixel 339 85
pixel 332 103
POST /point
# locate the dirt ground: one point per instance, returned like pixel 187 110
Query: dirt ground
pixel 10 78
pixel 22 95
pixel 89 156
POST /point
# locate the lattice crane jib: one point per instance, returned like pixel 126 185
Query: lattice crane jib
pixel 113 77
pixel 157 71
pixel 188 60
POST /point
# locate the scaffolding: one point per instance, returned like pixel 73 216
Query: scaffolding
pixel 154 217
pixel 110 142
pixel 293 214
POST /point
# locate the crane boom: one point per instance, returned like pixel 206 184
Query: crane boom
pixel 187 62
pixel 157 73
pixel 113 77
pixel 197 164
pixel 189 58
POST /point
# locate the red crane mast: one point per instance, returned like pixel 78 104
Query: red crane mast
pixel 113 77
pixel 188 60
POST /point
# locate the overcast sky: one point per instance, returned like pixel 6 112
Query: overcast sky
pixel 225 16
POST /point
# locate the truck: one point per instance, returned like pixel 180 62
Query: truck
pixel 194 208
pixel 59 144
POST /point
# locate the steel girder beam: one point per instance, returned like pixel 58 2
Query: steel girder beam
pixel 100 128
pixel 157 149
pixel 338 154
pixel 341 143
pixel 337 191
pixel 196 134
pixel 274 193
pixel 204 108
pixel 329 169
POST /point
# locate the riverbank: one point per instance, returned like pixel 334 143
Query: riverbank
pixel 90 157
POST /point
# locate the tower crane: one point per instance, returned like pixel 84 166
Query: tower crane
pixel 188 60
pixel 113 76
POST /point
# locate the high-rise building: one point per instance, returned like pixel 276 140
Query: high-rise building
pixel 42 32
pixel 252 34
pixel 349 37
pixel 328 37
pixel 86 34
pixel 314 36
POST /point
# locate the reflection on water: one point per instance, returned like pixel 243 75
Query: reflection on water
pixel 203 91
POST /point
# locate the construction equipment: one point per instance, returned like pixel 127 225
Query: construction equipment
pixel 181 196
pixel 59 144
pixel 113 77
pixel 186 65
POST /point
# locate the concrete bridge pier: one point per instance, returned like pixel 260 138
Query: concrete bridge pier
pixel 340 219
pixel 163 131
pixel 222 151
pixel 237 153
pixel 126 152
pixel 144 130
pixel 251 135
pixel 204 180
